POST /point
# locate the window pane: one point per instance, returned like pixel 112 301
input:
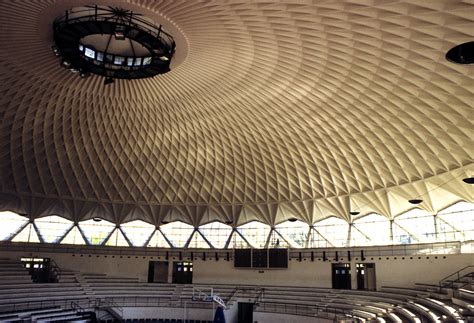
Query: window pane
pixel 177 233
pixel 197 241
pixel 459 222
pixel 117 239
pixel 401 235
pixel 96 232
pixel 374 226
pixel 335 230
pixel 100 56
pixel 276 241
pixel 89 53
pixel 130 61
pixel 147 61
pixel 158 241
pixel 236 242
pixel 318 241
pixel 138 232
pixel 217 233
pixel 73 237
pixel 52 228
pixel 28 234
pixel 10 223
pixel 419 223
pixel 256 233
pixel 296 233
pixel 119 60
pixel 138 61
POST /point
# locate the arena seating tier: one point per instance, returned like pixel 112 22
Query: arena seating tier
pixel 21 300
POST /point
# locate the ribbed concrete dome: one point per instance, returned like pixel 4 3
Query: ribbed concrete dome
pixel 271 111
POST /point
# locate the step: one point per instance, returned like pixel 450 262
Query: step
pixel 467 304
pixel 466 294
pixel 43 299
pixel 53 314
pixel 7 317
pixel 64 318
pixel 38 311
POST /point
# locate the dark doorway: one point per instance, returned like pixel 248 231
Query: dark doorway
pixel 183 272
pixel 341 276
pixel 366 276
pixel 158 272
pixel 42 270
pixel 245 314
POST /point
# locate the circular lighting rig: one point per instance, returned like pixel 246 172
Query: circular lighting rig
pixel 112 42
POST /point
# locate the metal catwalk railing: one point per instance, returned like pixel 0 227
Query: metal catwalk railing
pixel 425 249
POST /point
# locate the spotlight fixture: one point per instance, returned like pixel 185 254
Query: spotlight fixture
pixel 65 63
pixel 461 54
pixel 97 219
pixel 165 222
pixel 120 32
pixel 292 219
pixel 108 81
pixel 469 180
pixel 83 74
pixel 229 222
pixel 56 50
pixel 354 213
pixel 415 201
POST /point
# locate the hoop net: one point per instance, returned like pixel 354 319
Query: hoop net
pixel 206 294
pixel 203 294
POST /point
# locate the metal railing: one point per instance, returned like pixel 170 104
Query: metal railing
pixel 54 271
pixel 108 303
pixel 456 277
pixel 46 303
pixel 303 310
pixel 97 13
pixel 227 254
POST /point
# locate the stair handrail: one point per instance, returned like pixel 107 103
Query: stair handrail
pixel 76 307
pixel 54 267
pixel 109 303
pixel 457 274
pixel 231 298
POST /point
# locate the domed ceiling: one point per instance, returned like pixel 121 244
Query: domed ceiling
pixel 272 110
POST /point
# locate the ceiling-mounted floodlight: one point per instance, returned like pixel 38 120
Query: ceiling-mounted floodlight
pixel 66 63
pixel 462 54
pixel 84 74
pixel 119 32
pixel 292 219
pixel 354 213
pixel 56 50
pixel 97 219
pixel 468 180
pixel 86 39
pixel 164 222
pixel 229 222
pixel 415 201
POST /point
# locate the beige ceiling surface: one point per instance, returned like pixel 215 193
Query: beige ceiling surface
pixel 278 109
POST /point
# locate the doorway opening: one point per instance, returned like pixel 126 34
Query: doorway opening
pixel 245 313
pixel 341 276
pixel 366 276
pixel 158 272
pixel 183 272
pixel 42 270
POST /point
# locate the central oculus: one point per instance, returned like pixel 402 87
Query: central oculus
pixel 112 42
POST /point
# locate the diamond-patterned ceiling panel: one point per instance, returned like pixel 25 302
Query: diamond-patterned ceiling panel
pixel 272 110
